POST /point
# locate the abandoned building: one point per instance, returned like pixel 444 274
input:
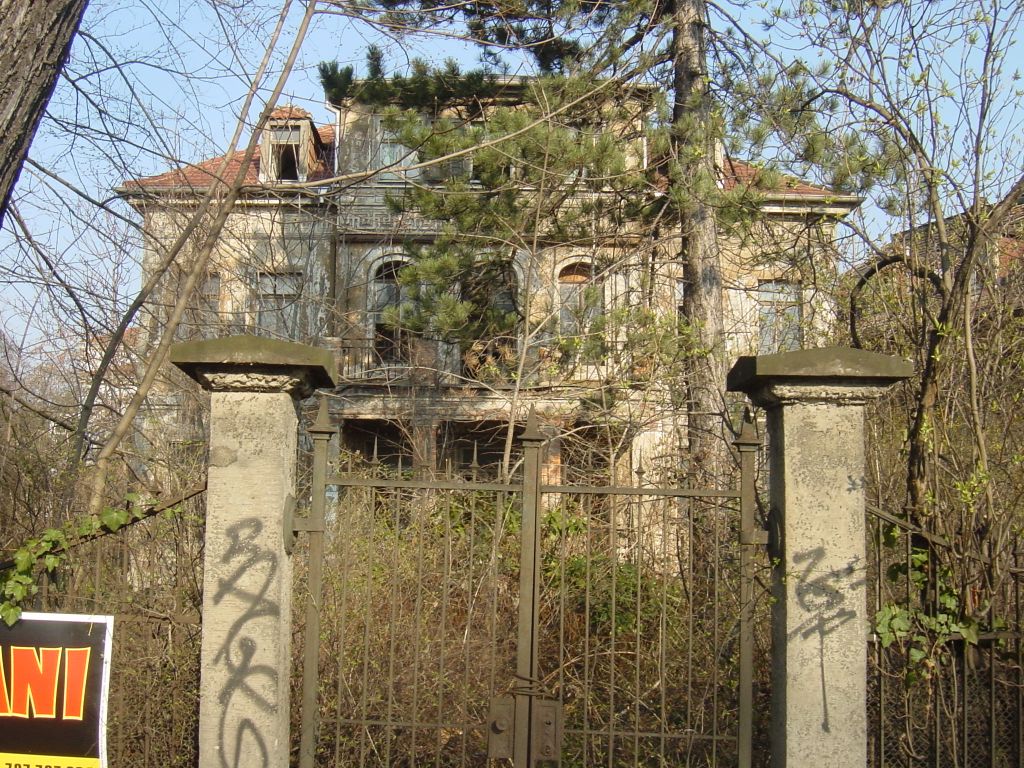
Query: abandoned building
pixel 318 241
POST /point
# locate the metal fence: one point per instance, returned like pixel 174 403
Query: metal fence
pixel 147 578
pixel 455 617
pixel 940 694
pixel 463 621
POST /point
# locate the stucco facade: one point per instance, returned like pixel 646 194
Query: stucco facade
pixel 314 248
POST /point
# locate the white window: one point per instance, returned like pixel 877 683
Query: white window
pixel 208 311
pixel 780 320
pixel 286 152
pixel 202 318
pixel 277 304
pixel 282 155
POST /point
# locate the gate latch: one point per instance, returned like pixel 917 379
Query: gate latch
pixel 546 731
pixel 501 730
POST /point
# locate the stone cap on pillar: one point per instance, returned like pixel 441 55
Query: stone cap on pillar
pixel 255 364
pixel 858 373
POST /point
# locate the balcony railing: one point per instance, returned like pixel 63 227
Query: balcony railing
pixel 361 360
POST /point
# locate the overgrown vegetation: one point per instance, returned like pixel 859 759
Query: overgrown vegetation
pixel 421 624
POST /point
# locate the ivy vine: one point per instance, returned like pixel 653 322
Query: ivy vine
pixel 47 551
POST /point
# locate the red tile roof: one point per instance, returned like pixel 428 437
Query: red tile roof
pixel 198 177
pixel 290 112
pixel 736 173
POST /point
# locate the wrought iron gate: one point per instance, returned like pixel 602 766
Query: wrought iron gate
pixel 463 622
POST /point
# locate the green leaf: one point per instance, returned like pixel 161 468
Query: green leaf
pixel 113 519
pixel 969 631
pixel 892 623
pixel 54 536
pixel 15 591
pixel 24 559
pixel 9 613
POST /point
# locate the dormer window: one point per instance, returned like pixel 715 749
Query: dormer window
pixel 288 151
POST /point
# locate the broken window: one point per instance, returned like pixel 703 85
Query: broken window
pixel 493 356
pixel 201 319
pixel 285 153
pixel 393 157
pixel 390 342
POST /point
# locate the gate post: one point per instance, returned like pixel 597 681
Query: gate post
pixel 246 642
pixel 815 401
pixel 529 594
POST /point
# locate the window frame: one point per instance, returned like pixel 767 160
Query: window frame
pixel 286 305
pixel 391 171
pixel 390 342
pixel 780 316
pixel 575 311
pixel 285 137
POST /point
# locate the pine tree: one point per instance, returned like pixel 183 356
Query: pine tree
pixel 616 50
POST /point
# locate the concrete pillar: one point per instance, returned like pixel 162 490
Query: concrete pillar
pixel 247 574
pixel 815 401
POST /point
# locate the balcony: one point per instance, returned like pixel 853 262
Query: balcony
pixel 415 361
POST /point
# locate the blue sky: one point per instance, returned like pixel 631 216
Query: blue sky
pixel 183 70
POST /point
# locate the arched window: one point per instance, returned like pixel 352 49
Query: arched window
pixel 505 296
pixel 385 304
pixel 580 298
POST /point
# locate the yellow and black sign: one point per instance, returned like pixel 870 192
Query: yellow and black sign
pixel 54 675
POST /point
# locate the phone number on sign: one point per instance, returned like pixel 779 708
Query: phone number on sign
pixel 29 763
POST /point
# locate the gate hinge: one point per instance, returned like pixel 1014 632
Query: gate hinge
pixel 307 525
pixel 289 524
pixel 756 536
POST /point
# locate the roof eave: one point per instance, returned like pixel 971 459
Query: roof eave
pixel 248 192
pixel 823 205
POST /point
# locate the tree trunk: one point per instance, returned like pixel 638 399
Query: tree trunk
pixel 37 36
pixel 694 149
